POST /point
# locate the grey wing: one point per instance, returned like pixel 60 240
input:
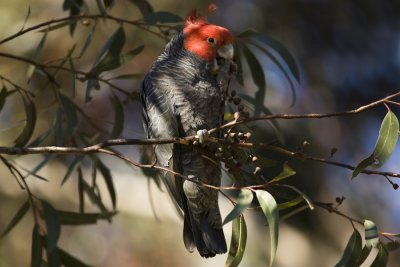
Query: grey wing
pixel 160 122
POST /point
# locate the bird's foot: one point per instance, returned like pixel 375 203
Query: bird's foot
pixel 202 135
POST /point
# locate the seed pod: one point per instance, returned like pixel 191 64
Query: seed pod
pixel 254 159
pixel 240 135
pixel 236 115
pixel 233 135
pixel 257 170
pixel 247 135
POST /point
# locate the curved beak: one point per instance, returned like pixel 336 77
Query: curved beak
pixel 226 51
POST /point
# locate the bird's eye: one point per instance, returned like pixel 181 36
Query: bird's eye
pixel 211 40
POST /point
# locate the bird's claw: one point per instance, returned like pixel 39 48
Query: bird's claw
pixel 201 135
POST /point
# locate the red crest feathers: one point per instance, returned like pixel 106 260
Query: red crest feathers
pixel 196 18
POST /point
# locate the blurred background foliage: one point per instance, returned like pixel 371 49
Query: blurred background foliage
pixel 349 55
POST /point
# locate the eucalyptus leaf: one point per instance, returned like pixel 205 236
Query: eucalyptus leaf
pixel 364 254
pixel 244 200
pixel 352 252
pixel 15 220
pixel 74 218
pixel 270 210
pixel 382 257
pixel 27 132
pixel 3 95
pixel 238 242
pixel 36 54
pixel 304 196
pixel 385 144
pixel 70 261
pixel 105 172
pixel 52 225
pixel 118 117
pixel 136 76
pixel 286 172
pixel 36 250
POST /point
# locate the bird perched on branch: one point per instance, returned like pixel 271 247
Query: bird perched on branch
pixel 182 97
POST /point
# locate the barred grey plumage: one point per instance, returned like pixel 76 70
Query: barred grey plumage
pixel 181 96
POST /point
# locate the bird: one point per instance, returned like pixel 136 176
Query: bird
pixel 181 97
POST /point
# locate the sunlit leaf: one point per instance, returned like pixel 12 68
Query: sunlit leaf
pixel 352 252
pixel 52 226
pixel 70 261
pixel 74 218
pixel 371 234
pixel 382 257
pixel 17 217
pixel 105 172
pixel 286 172
pixel 162 17
pixel 385 144
pixel 118 117
pixel 290 204
pixel 270 210
pixel 238 242
pixel 36 250
pixel 304 196
pixel 244 200
pixel 27 132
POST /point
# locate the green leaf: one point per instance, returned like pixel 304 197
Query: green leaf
pixel 52 225
pixel 144 6
pixel 364 255
pixel 238 58
pixel 243 202
pixel 75 8
pixel 36 251
pixel 71 168
pixel 290 204
pixel 27 132
pixel 286 172
pixel 70 261
pixel 161 17
pixel 94 198
pixel 69 110
pixel 371 234
pixel 3 95
pixel 304 196
pixel 105 171
pixel 17 217
pixel 352 252
pixel 385 144
pixel 283 52
pixel 136 76
pixel 258 76
pixel 81 191
pixel 118 117
pixel 73 218
pixel 111 63
pixel 111 49
pixel 270 210
pixel 238 242
pixel 88 40
pixel 392 245
pixel 91 84
pixel 35 57
pixel 382 257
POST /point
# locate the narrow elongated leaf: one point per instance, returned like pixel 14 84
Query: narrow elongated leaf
pixel 352 252
pixel 3 95
pixel 382 257
pixel 385 144
pixel 304 196
pixel 112 48
pixel 243 202
pixel 17 217
pixel 286 172
pixel 81 191
pixel 94 198
pixel 75 8
pixel 289 204
pixel 238 58
pixel 371 234
pixel 270 210
pixel 364 255
pixel 88 40
pixel 161 17
pixel 258 76
pixel 70 261
pixel 238 242
pixel 35 57
pixel 105 171
pixel 70 113
pixel 136 76
pixel 36 251
pixel 53 258
pixel 118 117
pixel 74 218
pixel 70 169
pixel 27 132
pixel 52 225
pixel 392 245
